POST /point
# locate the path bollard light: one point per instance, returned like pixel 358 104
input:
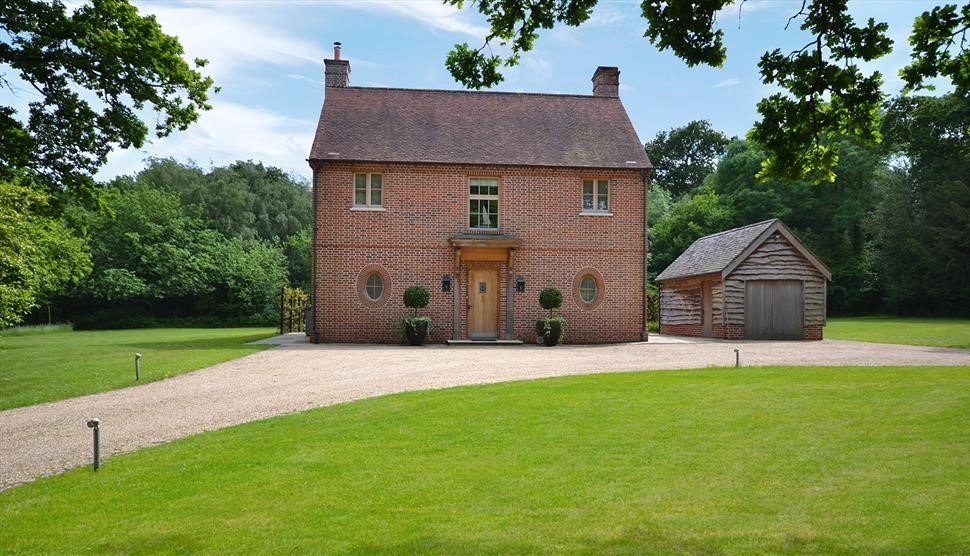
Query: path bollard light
pixel 137 367
pixel 737 357
pixel 95 425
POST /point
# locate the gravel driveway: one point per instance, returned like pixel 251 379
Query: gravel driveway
pixel 48 438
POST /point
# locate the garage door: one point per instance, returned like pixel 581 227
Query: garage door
pixel 773 310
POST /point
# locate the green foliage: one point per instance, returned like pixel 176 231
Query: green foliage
pixel 773 460
pixel 684 156
pixel 653 304
pixel 297 249
pixel 935 49
pixel 922 224
pixel 687 29
pixel 412 322
pixel 825 95
pixel 244 199
pixel 544 327
pixel 40 254
pixel 416 297
pixel 293 303
pixel 550 298
pixel 104 50
pixel 59 364
pixel 833 220
pixel 514 24
pixel 690 218
pixel 150 256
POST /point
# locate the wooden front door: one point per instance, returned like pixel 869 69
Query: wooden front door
pixel 707 315
pixel 483 304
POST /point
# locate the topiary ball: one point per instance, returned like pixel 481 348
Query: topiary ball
pixel 416 297
pixel 550 298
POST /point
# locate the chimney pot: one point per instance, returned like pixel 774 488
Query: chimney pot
pixel 337 70
pixel 606 82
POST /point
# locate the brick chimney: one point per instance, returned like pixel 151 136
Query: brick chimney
pixel 606 82
pixel 338 71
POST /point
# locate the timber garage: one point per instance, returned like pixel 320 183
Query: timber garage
pixel 757 282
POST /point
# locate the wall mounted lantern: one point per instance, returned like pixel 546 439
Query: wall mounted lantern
pixel 520 284
pixel 446 283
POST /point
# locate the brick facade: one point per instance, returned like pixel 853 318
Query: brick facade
pixel 426 204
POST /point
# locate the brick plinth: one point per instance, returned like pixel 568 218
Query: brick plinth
pixel 682 329
pixel 812 332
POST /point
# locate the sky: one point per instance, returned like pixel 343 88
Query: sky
pixel 267 57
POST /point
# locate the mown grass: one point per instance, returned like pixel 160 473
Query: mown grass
pixel 901 330
pixel 756 460
pixel 56 364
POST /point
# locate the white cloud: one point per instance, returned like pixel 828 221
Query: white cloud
pixel 604 15
pixel 430 12
pixel 730 82
pixel 227 133
pixel 231 41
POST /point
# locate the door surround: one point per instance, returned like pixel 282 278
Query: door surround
pixel 484 251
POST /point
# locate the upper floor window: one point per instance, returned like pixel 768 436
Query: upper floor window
pixel 596 195
pixel 368 190
pixel 483 203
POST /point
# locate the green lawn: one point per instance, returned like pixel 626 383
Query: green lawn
pixel 901 330
pixel 756 460
pixel 52 365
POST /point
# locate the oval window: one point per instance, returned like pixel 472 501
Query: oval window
pixel 587 289
pixel 374 287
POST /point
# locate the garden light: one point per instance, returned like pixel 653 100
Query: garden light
pixel 95 425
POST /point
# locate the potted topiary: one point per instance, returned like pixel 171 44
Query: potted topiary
pixel 552 329
pixel 416 328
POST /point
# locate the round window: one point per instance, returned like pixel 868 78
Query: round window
pixel 374 287
pixel 587 289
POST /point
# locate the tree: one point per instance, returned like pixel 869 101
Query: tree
pixel 691 217
pixel 684 156
pixel 94 68
pixel 297 249
pixel 244 199
pixel 40 254
pixel 832 220
pixel 153 257
pixel 826 94
pixel 922 223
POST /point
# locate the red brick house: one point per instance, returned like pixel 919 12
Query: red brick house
pixel 484 198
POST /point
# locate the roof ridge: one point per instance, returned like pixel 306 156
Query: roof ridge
pixel 467 92
pixel 739 228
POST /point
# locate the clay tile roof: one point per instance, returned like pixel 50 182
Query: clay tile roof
pixel 415 125
pixel 715 252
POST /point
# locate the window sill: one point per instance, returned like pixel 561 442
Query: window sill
pixel 595 213
pixel 365 208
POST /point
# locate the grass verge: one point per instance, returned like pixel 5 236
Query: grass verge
pixel 901 330
pixel 57 364
pixel 758 460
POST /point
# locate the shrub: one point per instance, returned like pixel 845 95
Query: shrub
pixel 416 297
pixel 550 298
pixel 544 327
pixel 653 304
